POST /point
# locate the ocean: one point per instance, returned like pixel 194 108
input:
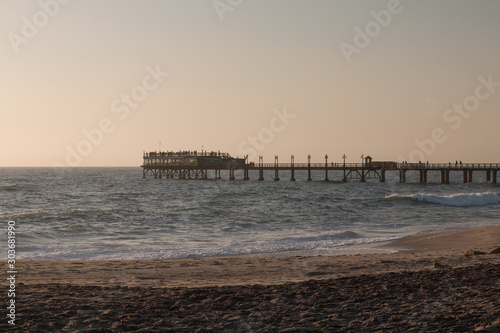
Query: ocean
pixel 114 213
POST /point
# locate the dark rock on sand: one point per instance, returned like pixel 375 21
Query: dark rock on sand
pixel 441 266
pixel 474 253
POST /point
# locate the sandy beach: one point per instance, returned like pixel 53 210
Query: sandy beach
pixel 430 284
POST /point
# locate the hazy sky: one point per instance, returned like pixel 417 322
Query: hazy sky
pixel 95 83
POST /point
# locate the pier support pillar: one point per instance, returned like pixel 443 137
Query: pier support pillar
pixel 423 176
pixel 261 174
pixel 488 175
pixel 470 176
pixel 231 174
pixel 445 176
pixel 402 176
pixel 494 176
pixel 382 176
pixel 245 174
pixel 363 178
pixel 292 176
pixel 466 179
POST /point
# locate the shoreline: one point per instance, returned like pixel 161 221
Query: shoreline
pixel 407 254
pixel 434 288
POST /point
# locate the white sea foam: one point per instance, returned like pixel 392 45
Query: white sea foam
pixel 456 200
pixel 340 241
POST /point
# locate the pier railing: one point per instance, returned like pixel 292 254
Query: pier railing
pixel 307 165
pixel 412 166
pixel 407 166
pixel 451 166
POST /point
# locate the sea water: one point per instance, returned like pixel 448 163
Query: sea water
pixel 114 213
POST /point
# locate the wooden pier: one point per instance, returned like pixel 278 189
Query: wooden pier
pixel 194 165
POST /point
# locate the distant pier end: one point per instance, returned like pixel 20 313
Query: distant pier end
pixel 197 165
pixel 189 164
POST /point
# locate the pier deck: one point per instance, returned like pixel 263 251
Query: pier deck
pixel 197 166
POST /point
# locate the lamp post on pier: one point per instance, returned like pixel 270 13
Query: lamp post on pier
pixel 261 167
pixel 326 168
pixel 362 170
pixel 344 179
pixel 276 172
pixel 309 168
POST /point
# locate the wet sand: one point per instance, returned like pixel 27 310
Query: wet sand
pixel 429 285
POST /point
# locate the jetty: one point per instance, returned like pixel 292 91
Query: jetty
pixel 198 165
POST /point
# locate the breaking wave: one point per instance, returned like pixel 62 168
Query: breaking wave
pixel 122 252
pixel 456 200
